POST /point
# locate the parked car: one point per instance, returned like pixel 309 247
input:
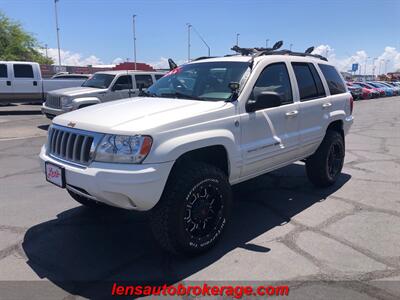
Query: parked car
pixel 22 82
pixel 71 76
pixel 101 87
pixel 388 91
pixel 396 89
pixel 367 93
pixel 202 128
pixel 380 91
pixel 356 91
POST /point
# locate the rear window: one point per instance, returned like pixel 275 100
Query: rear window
pixel 305 81
pixel 335 82
pixel 23 71
pixel 3 71
pixel 143 80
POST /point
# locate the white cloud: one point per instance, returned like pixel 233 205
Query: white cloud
pixel 390 58
pixel 70 58
pixel 117 61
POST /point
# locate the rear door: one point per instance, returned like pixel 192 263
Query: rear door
pixel 26 83
pixel 312 107
pixel 6 88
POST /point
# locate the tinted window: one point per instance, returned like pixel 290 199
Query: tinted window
pixel 335 82
pixel 274 78
pixel 100 81
pixel 158 76
pixel 305 81
pixel 124 82
pixel 318 82
pixel 3 71
pixel 143 80
pixel 23 71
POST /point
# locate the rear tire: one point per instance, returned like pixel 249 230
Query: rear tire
pixel 85 201
pixel 325 165
pixel 193 210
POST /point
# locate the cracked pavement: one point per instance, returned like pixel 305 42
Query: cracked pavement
pixel 337 243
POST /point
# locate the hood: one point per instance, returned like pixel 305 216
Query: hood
pixel 141 115
pixel 76 91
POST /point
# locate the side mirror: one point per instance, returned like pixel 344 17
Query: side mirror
pixel 264 100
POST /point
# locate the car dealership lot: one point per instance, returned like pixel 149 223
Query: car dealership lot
pixel 283 229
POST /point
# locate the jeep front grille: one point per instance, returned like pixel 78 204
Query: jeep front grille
pixel 72 145
pixel 53 101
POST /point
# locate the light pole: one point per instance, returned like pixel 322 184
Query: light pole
pixel 201 38
pixel 290 47
pixel 386 63
pixel 266 43
pixel 188 26
pixel 237 39
pixel 373 67
pixel 45 47
pixel 58 33
pixel 134 39
pixel 380 64
pixel 365 66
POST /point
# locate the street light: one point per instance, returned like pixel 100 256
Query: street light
pixel 201 38
pixel 237 39
pixel 266 43
pixel 134 39
pixel 188 27
pixel 58 33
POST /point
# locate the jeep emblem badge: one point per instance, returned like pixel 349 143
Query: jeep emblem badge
pixel 71 124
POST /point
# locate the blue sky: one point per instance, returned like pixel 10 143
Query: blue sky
pixel 102 30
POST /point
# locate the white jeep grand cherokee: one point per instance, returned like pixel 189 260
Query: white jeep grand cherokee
pixel 202 128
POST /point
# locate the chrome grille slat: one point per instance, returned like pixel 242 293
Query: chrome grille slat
pixel 72 145
pixel 53 101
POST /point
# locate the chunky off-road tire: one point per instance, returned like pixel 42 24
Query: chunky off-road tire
pixel 85 201
pixel 325 165
pixel 193 210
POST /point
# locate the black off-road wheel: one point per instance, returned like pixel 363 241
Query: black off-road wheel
pixel 325 165
pixel 193 210
pixel 85 201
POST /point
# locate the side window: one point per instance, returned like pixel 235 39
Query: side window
pixel 123 83
pixel 143 80
pixel 3 71
pixel 318 82
pixel 23 71
pixel 274 78
pixel 305 81
pixel 335 82
pixel 158 76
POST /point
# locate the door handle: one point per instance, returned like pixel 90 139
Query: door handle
pixel 8 82
pixel 35 83
pixel 292 113
pixel 326 105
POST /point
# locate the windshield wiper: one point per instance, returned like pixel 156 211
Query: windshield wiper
pixel 181 96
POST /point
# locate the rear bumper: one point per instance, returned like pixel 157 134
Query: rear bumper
pixel 127 186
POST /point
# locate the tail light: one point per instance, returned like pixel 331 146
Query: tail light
pixel 351 104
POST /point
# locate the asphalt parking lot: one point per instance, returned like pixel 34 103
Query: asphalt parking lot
pixel 344 240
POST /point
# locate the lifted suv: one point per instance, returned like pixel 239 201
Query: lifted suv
pixel 202 128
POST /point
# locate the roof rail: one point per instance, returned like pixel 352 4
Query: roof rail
pixel 203 57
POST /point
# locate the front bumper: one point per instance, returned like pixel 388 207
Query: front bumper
pixel 127 186
pixel 51 111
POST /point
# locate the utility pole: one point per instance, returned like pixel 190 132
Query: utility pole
pixel 58 33
pixel 45 47
pixel 237 39
pixel 266 43
pixel 134 39
pixel 201 38
pixel 188 26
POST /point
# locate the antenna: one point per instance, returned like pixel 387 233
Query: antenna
pixel 172 64
pixel 277 45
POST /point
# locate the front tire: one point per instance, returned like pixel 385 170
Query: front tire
pixel 194 209
pixel 325 165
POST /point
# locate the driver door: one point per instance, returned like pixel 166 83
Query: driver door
pixel 270 136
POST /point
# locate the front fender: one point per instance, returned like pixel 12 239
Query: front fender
pixel 77 102
pixel 172 149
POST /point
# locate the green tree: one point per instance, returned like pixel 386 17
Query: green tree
pixel 17 44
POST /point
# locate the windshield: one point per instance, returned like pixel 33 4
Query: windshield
pixel 207 81
pixel 100 81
